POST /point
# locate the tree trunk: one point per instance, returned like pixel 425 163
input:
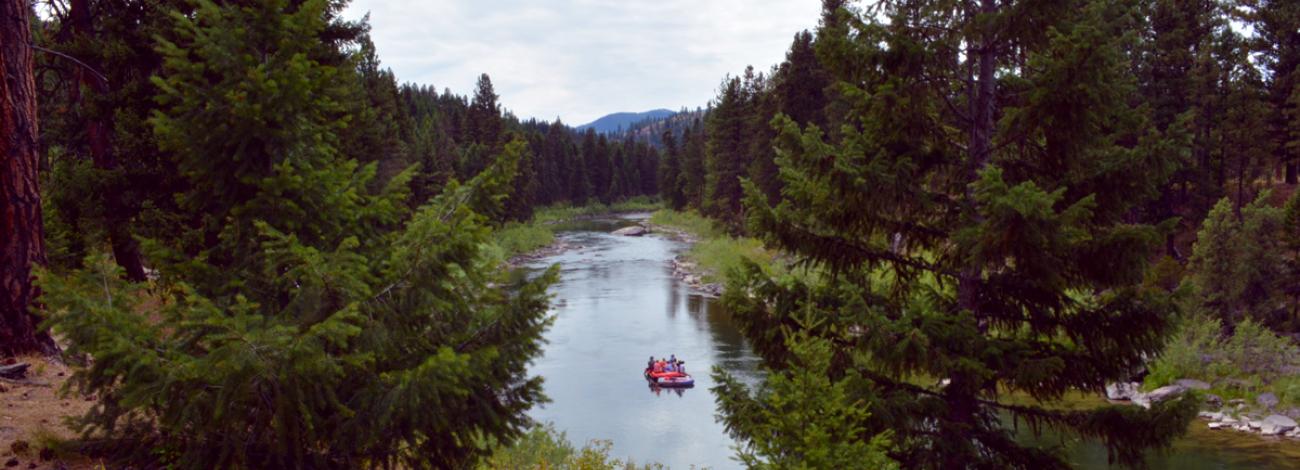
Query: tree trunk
pixel 1290 173
pixel 21 232
pixel 99 128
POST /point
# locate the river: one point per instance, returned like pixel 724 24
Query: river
pixel 617 303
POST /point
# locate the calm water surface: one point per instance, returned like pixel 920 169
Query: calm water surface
pixel 617 303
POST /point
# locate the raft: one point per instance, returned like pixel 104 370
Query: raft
pixel 669 379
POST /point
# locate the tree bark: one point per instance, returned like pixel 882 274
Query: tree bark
pixel 21 231
pixel 99 128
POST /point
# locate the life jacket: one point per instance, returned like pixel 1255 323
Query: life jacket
pixel 659 366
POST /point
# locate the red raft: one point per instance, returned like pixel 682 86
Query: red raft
pixel 669 379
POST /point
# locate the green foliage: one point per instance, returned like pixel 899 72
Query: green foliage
pixel 545 448
pixel 689 221
pixel 1235 267
pixel 801 418
pixel 301 319
pixel 516 238
pixel 973 213
pixel 1251 360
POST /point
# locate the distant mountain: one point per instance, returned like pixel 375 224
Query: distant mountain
pixel 622 121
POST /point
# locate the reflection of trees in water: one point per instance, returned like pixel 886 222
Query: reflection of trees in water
pixel 733 351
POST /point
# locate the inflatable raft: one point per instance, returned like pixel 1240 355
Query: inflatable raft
pixel 669 379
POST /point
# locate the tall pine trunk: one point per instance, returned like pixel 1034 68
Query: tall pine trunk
pixel 21 233
pixel 99 129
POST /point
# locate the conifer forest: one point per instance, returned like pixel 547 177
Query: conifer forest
pixel 933 234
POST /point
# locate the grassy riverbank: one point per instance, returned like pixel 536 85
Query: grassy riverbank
pixel 517 238
pixel 714 251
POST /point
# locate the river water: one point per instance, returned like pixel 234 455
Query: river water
pixel 617 303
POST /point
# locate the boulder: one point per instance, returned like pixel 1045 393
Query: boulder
pixel 1214 425
pixel 1255 424
pixel 1268 430
pixel 1193 384
pixel 1267 400
pixel 1122 390
pixel 633 231
pixel 1282 423
pixel 1166 392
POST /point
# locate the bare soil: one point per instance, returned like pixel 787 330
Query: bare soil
pixel 33 414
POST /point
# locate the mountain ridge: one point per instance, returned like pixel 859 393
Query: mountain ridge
pixel 615 122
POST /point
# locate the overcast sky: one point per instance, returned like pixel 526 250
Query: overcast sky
pixel 582 59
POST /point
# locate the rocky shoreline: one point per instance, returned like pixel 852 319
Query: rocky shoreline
pixel 684 270
pixel 1236 415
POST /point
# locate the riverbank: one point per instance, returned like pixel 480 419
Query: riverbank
pixel 518 243
pixel 712 253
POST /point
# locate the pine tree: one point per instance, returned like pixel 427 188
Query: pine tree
pixel 23 245
pixel 970 222
pixel 669 171
pixel 692 181
pixel 726 156
pixel 302 321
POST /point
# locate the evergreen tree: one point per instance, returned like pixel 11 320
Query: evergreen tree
pixel 726 157
pixel 971 218
pixel 692 179
pixel 297 325
pixel 670 189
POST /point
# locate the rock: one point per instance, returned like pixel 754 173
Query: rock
pixel 1255 424
pixel 1267 400
pixel 1293 413
pixel 633 231
pixel 1213 401
pixel 1268 430
pixel 14 371
pixel 12 462
pixel 1166 392
pixel 1142 400
pixel 1193 384
pixel 1210 415
pixel 1217 425
pixel 1228 419
pixel 1282 423
pixel 1236 401
pixel 1121 390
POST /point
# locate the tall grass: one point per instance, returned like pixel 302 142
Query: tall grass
pixel 516 238
pixel 716 252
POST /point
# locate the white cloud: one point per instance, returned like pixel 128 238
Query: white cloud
pixel 581 59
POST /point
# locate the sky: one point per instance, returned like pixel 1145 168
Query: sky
pixel 581 59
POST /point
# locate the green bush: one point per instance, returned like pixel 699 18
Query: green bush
pixel 544 447
pixel 1252 360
